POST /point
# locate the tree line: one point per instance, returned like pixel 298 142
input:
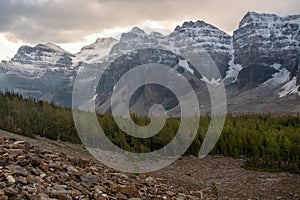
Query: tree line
pixel 29 117
pixel 267 142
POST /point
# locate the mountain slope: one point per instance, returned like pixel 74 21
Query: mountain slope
pixel 95 52
pixel 265 40
pixel 43 71
pixel 259 63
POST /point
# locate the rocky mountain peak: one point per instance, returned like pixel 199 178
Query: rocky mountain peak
pixel 193 25
pixel 263 51
pixel 133 35
pixel 138 31
pixel 41 48
pixel 96 51
pixel 253 17
pixel 24 49
pixel 199 27
pixel 136 38
pixel 269 20
pixel 51 46
pixel 101 43
pixel 268 39
pixel 156 34
pixel 107 39
pixel 100 40
pixel 267 47
pixel 43 55
pixel 207 36
pixel 200 35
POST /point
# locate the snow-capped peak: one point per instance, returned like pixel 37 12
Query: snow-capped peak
pixel 251 17
pixel 205 35
pixel 198 27
pixel 48 47
pixel 156 34
pixel 267 19
pixel 52 47
pixel 195 25
pixel 138 31
pixel 43 55
pixel 100 43
pixel 93 53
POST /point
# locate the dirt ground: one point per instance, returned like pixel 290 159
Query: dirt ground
pixel 231 180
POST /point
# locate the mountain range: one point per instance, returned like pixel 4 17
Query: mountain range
pixel 259 65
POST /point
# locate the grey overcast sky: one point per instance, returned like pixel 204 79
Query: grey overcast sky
pixel 74 23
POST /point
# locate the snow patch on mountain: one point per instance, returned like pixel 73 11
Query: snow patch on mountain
pixel 53 46
pixel 33 62
pixel 185 65
pixel 279 78
pixel 276 66
pixel 267 19
pixel 273 26
pixel 233 70
pixel 24 70
pixel 289 88
pixel 139 31
pixel 213 81
pixel 205 36
pixel 43 55
pixel 95 52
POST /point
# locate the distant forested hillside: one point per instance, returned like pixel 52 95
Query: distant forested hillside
pixel 31 118
pixel 268 142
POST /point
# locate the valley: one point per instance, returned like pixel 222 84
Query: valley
pixel 253 73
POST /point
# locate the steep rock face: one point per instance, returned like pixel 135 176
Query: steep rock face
pixel 298 78
pixel 206 37
pixel 190 37
pixel 268 39
pixel 47 72
pixel 254 74
pixel 43 72
pixel 135 39
pixel 151 93
pixel 43 55
pixel 263 53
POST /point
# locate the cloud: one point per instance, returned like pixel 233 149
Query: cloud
pixel 66 21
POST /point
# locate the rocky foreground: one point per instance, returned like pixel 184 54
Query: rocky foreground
pixel 30 172
pixel 186 178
